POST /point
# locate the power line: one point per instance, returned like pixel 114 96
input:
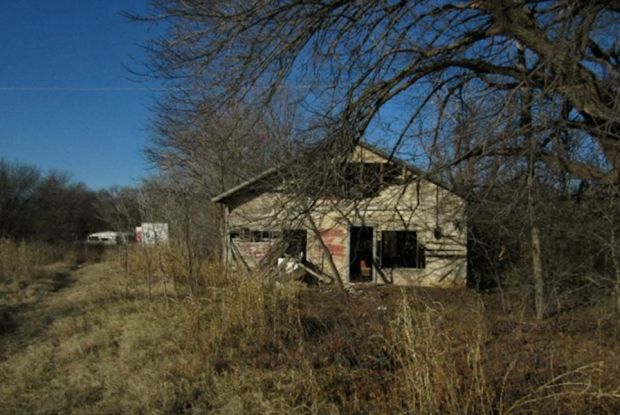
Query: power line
pixel 85 89
pixel 123 89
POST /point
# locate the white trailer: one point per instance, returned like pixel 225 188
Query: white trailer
pixel 103 238
pixel 152 233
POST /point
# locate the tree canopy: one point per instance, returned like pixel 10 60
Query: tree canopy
pixel 353 59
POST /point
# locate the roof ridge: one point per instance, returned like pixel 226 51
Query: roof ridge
pixel 363 143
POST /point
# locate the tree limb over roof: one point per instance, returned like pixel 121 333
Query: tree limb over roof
pixel 220 198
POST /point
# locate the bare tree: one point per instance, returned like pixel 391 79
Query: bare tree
pixel 119 208
pixel 44 206
pixel 358 57
pixel 401 68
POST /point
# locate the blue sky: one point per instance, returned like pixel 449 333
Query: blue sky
pixel 66 100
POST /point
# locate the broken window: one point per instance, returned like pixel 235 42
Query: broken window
pixel 363 172
pixel 361 180
pixel 247 235
pixel 358 180
pixel 367 179
pixel 400 249
pixel 392 174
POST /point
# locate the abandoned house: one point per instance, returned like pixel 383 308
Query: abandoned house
pixel 381 222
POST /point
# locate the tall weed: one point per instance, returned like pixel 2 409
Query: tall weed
pixel 19 260
pixel 438 371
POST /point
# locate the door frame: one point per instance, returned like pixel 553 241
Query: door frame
pixel 373 270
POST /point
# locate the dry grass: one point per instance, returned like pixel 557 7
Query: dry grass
pixel 28 271
pixel 252 345
pixel 19 261
pixel 438 371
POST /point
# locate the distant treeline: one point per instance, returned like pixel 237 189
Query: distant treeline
pixel 49 206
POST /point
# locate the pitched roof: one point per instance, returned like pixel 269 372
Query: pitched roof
pixel 244 184
pixel 220 197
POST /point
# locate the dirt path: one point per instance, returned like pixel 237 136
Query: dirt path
pixel 28 308
pixel 60 351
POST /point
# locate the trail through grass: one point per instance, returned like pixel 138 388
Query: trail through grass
pixel 27 305
pixel 92 342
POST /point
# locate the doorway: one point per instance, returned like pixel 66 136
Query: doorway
pixel 295 242
pixel 361 253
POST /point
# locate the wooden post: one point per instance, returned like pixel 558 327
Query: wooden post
pixel 225 238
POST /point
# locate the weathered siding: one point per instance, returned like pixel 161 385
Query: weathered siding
pixel 419 207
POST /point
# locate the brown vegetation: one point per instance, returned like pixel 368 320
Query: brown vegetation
pixel 255 345
pixel 19 260
pixel 24 274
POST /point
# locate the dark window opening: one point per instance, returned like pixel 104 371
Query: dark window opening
pixel 400 249
pixel 360 254
pixel 358 180
pixel 392 174
pixel 257 236
pixel 361 180
pixel 295 241
pixel 363 172
pixel 247 235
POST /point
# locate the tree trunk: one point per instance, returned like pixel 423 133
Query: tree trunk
pixel 617 286
pixel 149 275
pixel 224 238
pixel 526 125
pixel 537 275
pixel 192 278
pixel 613 247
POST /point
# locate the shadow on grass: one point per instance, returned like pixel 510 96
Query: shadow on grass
pixel 7 319
pixel 61 280
pixel 25 320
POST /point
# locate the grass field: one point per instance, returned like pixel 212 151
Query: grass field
pixel 91 341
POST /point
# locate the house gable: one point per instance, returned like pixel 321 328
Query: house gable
pixel 398 171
